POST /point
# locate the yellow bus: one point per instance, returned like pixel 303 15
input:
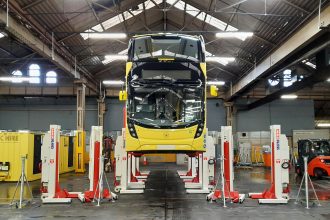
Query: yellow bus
pixel 165 94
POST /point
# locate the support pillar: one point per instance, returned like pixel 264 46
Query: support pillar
pixel 80 134
pixel 101 111
pixel 81 107
pixel 229 113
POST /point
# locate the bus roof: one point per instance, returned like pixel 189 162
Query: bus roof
pixel 166 34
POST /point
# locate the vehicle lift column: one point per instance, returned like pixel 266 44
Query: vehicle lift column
pixel 125 181
pixel 191 172
pixel 140 175
pixel 203 182
pixel 96 169
pixel 227 161
pixel 279 189
pixel 50 186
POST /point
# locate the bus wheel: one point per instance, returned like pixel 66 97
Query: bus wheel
pixel 318 173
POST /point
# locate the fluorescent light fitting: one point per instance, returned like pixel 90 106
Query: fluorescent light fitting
pixel 323 125
pixel 215 83
pixel 222 60
pixel 113 82
pixel 14 79
pixel 113 57
pixel 289 96
pixel 96 35
pixel 234 34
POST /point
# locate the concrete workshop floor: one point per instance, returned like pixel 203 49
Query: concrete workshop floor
pixel 165 198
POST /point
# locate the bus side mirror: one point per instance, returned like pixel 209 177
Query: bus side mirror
pixel 122 95
pixel 213 91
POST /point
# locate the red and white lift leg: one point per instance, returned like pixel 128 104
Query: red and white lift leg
pixel 125 179
pixel 191 171
pixel 203 182
pixel 227 153
pixel 96 170
pixel 50 186
pixel 140 175
pixel 279 189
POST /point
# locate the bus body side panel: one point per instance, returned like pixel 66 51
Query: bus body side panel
pixel 165 139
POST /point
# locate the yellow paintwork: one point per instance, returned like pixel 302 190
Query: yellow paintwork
pixel 64 155
pixel 14 145
pixel 122 95
pixel 181 139
pixel 157 139
pixel 80 151
pixel 203 68
pixel 165 59
pixel 128 67
pixel 213 91
pixel 160 158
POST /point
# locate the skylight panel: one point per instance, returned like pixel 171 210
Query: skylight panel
pixel 98 28
pixel 112 21
pixel 193 11
pixel 215 22
pixel 123 52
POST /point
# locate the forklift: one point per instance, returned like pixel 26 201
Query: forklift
pixel 318 153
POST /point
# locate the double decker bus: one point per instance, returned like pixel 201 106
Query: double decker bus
pixel 165 94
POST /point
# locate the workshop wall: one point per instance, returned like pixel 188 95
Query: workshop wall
pixel 18 113
pixel 290 114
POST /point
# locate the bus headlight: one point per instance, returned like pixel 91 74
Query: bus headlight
pixel 132 130
pixel 199 130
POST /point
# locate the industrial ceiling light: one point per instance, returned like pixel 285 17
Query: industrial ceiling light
pixel 323 125
pixel 223 60
pixel 96 35
pixel 113 57
pixel 2 35
pixel 14 79
pixel 113 82
pixel 292 96
pixel 309 64
pixel 216 83
pixel 328 80
pixel 234 34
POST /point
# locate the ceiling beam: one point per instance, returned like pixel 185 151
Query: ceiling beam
pixel 296 7
pixel 20 32
pixel 295 42
pixel 321 76
pixel 34 3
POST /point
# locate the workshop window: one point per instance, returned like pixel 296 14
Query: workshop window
pixel 34 73
pixel 17 73
pixel 34 70
pixel 51 77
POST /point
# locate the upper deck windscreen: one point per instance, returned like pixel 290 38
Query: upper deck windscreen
pixel 163 46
